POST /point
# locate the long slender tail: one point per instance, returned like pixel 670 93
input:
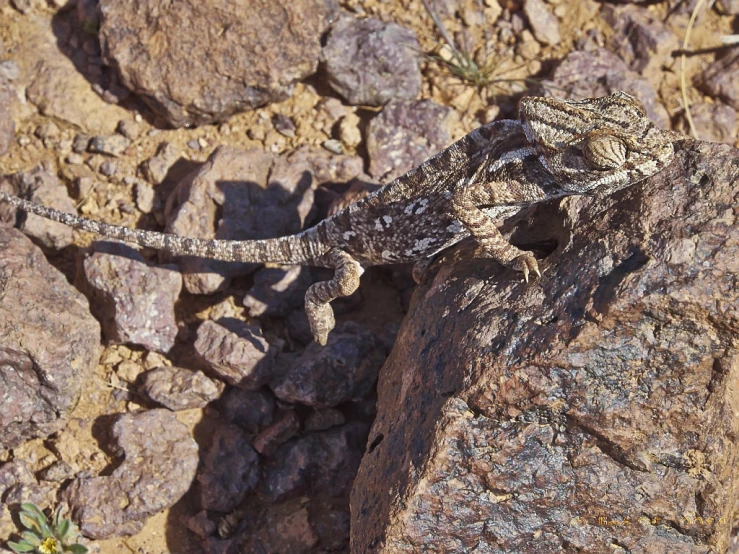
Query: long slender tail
pixel 293 249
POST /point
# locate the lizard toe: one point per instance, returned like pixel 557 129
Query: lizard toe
pixel 526 264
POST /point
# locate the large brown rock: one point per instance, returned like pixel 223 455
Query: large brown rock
pixel 197 62
pixel 591 409
pixel 49 342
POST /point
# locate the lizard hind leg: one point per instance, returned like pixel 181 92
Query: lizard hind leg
pixel 317 298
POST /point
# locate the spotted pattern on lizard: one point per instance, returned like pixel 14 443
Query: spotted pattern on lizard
pixel 556 148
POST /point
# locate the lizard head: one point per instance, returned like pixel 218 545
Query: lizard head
pixel 595 146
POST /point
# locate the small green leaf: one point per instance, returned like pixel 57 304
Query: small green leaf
pixel 31 538
pixel 62 529
pixel 29 522
pixel 21 546
pixel 76 549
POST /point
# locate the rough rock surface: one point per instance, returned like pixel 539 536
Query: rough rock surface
pixel 251 410
pixel 52 81
pixel 234 58
pixel 250 194
pixel 404 134
pixel 326 376
pixel 370 62
pixel 40 185
pixel 721 79
pixel 235 352
pixel 640 38
pixel 317 463
pixel 133 299
pixel 178 388
pixel 45 362
pixel 543 24
pixel 277 290
pixel 230 470
pixel 160 460
pixel 716 122
pixel 600 72
pixel 594 407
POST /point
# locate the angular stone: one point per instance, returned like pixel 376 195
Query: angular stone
pixel 177 388
pixel 230 470
pixel 370 62
pixel 160 459
pixel 543 23
pixel 640 37
pixel 277 291
pixel 45 362
pixel 609 390
pixel 278 432
pixel 249 55
pixel 112 145
pixel 251 410
pixel 721 79
pixel 326 376
pixel 133 299
pixel 405 134
pixel 322 463
pixel 155 168
pixel 42 186
pixel 600 72
pixel 236 352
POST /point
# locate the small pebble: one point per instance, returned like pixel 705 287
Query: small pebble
pixel 333 145
pixel 75 159
pixel 129 129
pixel 112 145
pixel 108 168
pixel 80 143
pixel 283 125
pixel 203 142
pixel 23 140
pixel 193 144
pixel 47 130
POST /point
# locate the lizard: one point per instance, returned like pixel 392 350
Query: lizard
pixel 556 148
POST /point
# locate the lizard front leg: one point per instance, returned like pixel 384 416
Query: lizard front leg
pixel 317 298
pixel 465 200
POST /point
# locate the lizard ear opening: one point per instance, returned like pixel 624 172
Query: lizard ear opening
pixel 604 151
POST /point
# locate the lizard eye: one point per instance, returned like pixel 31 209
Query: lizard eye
pixel 604 151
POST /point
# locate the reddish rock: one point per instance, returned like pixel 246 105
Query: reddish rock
pixel 235 352
pixel 600 72
pixel 160 460
pixel 721 79
pixel 326 376
pixel 593 407
pixel 230 470
pixel 233 57
pixel 45 362
pixel 370 62
pixel 278 432
pixel 134 300
pixel 178 388
pixel 405 134
pixel 40 185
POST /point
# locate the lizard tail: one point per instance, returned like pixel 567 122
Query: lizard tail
pixel 293 249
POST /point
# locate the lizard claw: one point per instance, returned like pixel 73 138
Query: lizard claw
pixel 526 264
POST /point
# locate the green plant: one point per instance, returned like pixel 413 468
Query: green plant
pixel 43 536
pixel 484 71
